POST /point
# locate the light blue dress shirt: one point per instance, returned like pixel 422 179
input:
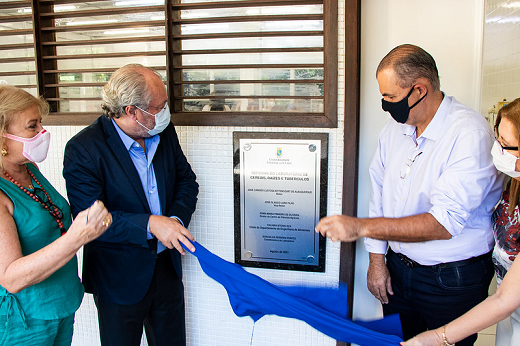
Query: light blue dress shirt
pixel 143 164
pixel 453 179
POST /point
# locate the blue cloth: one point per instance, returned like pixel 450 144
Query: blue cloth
pixel 325 309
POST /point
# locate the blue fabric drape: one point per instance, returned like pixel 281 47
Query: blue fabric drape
pixel 325 309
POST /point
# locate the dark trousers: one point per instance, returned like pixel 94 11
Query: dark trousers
pixel 428 297
pixel 161 312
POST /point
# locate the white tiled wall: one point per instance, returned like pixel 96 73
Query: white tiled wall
pixel 501 59
pixel 210 320
pixel 501 77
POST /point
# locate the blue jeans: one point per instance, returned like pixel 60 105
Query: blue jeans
pixel 428 297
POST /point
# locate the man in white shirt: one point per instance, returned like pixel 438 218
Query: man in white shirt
pixel 434 187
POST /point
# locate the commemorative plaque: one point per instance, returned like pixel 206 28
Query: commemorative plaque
pixel 280 185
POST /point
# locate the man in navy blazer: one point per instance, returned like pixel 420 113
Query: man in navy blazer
pixel 130 159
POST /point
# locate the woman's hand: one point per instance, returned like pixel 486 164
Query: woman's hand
pixel 18 272
pixel 91 223
pixel 429 338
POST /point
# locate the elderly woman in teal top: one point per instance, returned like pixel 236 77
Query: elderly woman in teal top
pixel 39 285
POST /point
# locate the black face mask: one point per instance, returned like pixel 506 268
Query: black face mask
pixel 400 110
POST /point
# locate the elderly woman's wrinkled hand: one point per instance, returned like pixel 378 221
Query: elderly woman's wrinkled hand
pixel 92 222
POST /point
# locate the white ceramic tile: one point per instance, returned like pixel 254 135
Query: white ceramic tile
pixel 501 59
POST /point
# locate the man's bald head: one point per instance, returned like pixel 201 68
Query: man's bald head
pixel 410 63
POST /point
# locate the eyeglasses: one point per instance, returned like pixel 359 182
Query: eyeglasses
pixel 42 196
pixel 407 166
pixel 501 146
pixel 159 108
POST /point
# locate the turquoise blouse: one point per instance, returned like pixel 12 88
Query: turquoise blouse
pixel 59 295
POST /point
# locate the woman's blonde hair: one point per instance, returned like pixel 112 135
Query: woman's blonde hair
pixel 14 100
pixel 511 112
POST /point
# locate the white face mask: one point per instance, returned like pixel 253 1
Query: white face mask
pixel 162 119
pixel 34 149
pixel 504 161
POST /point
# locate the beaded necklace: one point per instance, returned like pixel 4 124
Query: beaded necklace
pixel 55 212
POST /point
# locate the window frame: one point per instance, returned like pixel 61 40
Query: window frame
pixel 327 119
pixel 46 58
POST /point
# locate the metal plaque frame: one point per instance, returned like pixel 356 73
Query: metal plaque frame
pixel 280 193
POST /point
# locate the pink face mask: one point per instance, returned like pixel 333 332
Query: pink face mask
pixel 34 149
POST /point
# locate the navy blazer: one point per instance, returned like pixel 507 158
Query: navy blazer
pixel 118 266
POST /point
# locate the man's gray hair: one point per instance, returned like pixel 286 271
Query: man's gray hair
pixel 409 63
pixel 126 87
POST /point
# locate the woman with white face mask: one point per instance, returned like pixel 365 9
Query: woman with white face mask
pixel 504 306
pixel 39 285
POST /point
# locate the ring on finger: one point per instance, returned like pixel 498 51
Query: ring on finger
pixel 106 222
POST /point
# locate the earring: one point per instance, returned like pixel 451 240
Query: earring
pixel 4 152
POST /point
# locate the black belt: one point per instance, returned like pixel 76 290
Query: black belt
pixel 413 264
